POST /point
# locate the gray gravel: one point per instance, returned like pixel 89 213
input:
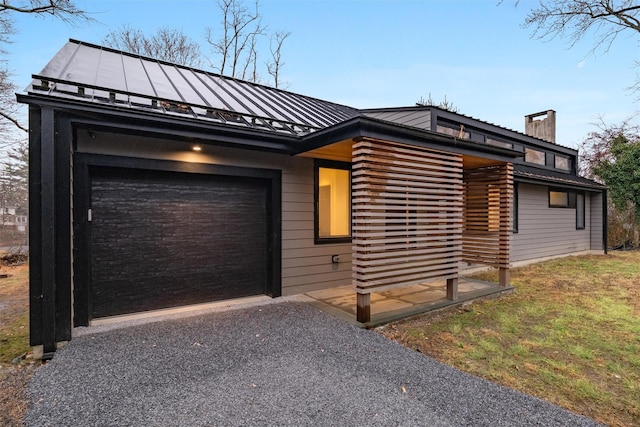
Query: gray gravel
pixel 280 364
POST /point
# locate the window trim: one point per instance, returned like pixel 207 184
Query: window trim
pixel 571 198
pixel 329 164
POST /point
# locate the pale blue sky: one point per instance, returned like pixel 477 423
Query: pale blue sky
pixel 382 53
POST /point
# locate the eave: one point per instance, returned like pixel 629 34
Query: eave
pixel 367 127
pixel 117 119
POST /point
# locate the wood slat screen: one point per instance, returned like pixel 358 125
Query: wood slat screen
pixel 407 215
pixel 488 192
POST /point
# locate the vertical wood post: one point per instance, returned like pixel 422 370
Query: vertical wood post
pixel 503 276
pixel 46 244
pixel 363 313
pixel 452 289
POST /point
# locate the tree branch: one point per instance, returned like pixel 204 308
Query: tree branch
pixel 14 121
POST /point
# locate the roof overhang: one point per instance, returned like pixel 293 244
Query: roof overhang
pixel 555 179
pixel 367 127
pixel 117 119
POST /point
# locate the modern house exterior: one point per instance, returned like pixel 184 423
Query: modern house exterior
pixel 154 185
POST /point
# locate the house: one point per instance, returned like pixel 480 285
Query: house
pixel 12 217
pixel 155 185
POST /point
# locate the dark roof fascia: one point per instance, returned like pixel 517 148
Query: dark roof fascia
pixel 184 128
pixel 363 126
pixel 528 174
pixel 491 128
pixel 549 182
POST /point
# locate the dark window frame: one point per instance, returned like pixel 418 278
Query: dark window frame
pixel 571 198
pixel 329 164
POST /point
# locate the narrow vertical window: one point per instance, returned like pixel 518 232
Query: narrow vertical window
pixel 580 217
pixel 332 202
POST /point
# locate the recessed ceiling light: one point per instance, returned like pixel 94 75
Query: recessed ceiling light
pixel 196 147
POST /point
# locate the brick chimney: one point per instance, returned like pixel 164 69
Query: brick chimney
pixel 541 125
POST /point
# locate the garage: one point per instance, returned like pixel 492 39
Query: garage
pixel 163 239
pixel 169 237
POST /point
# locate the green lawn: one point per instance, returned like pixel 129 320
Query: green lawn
pixel 14 313
pixel 570 334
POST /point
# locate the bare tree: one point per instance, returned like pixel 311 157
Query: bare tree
pixel 275 47
pixel 240 28
pixel 611 155
pixel 575 18
pixel 64 10
pixel 596 147
pixel 237 43
pixel 167 44
pixel 13 190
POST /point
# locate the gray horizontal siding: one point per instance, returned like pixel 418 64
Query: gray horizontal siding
pixel 596 221
pixel 305 265
pixel 417 119
pixel 544 231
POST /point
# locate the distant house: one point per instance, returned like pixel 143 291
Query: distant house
pixel 154 185
pixel 12 218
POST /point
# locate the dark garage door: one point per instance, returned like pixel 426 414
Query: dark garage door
pixel 165 239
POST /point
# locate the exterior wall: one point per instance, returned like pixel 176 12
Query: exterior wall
pixel 597 242
pixel 420 119
pixel 543 231
pixel 305 265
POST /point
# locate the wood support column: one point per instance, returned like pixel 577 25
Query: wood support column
pixel 452 289
pixel 363 314
pixel 503 276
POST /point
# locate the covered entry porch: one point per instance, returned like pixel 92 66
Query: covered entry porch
pixel 404 302
pixel 419 216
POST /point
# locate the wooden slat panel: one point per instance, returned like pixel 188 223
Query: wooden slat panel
pixel 407 215
pixel 487 225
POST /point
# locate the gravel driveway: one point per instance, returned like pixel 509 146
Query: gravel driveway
pixel 279 364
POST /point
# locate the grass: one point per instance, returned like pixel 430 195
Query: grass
pixel 570 334
pixel 14 313
pixel 16 366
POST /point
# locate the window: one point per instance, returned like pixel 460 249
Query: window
pixel 534 156
pixel 455 132
pixel 561 163
pixel 562 199
pixel 496 143
pixel 332 202
pixel 580 211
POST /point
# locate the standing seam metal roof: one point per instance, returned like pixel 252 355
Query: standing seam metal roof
pixel 96 74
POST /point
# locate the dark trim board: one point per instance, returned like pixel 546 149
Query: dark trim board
pixel 36 306
pixel 50 230
pixel 84 164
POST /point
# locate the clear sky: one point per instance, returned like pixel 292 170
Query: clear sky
pixel 386 53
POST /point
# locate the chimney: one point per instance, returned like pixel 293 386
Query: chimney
pixel 541 125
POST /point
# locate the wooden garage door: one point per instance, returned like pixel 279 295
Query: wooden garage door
pixel 165 239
